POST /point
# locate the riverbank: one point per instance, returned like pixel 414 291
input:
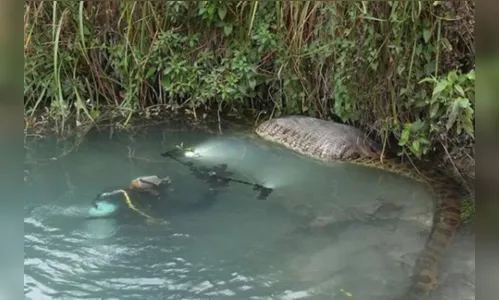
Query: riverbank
pixel 403 71
pixel 42 126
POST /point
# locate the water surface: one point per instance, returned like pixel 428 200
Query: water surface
pixel 309 240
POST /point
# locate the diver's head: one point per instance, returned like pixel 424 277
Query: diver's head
pixel 152 184
pixel 149 182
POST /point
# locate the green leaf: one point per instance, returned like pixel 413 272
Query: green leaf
pixel 427 79
pixel 453 114
pixel 423 140
pixel 166 83
pixel 210 11
pixel 227 29
pixel 242 89
pixel 441 85
pixel 222 12
pixel 416 146
pixel 463 102
pixel 405 137
pixel 150 72
pixel 426 35
pixel 252 83
pixel 468 127
pixel 434 109
pixel 452 76
pixel 471 75
pixel 417 125
pixel 459 89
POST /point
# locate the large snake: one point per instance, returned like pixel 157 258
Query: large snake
pixel 330 141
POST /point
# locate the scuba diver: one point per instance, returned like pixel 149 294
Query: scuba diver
pixel 137 198
pixel 152 193
pixel 148 194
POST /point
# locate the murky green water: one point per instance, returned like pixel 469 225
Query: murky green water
pixel 308 240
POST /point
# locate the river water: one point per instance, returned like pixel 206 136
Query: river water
pixel 310 239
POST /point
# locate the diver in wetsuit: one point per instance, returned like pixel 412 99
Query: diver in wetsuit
pixel 151 193
pixel 137 198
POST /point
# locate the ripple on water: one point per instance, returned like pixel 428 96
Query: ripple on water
pixel 239 249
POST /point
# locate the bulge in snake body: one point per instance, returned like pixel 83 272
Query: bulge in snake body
pixel 330 141
pixel 318 138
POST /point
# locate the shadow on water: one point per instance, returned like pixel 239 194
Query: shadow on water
pixel 325 231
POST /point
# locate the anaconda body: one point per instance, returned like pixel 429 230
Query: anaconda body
pixel 329 141
pixel 318 138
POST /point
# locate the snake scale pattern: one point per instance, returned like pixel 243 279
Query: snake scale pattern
pixel 330 141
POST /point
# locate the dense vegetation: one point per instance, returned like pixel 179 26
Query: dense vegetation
pixel 403 69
